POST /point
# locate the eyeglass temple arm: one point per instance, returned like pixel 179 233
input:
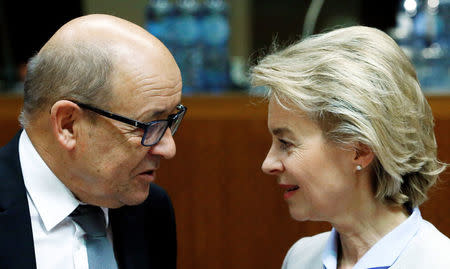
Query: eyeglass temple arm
pixel 113 116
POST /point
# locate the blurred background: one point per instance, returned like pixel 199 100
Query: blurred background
pixel 229 214
pixel 214 41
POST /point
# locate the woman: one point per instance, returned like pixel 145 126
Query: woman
pixel 353 145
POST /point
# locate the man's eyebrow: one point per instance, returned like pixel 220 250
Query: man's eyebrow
pixel 281 131
pixel 160 113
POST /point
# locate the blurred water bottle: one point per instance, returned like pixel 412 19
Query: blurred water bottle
pixel 404 32
pixel 443 39
pixel 159 21
pixel 432 63
pixel 428 24
pixel 444 13
pixel 422 32
pixel 188 51
pixel 215 36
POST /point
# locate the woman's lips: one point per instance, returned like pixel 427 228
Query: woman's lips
pixel 289 190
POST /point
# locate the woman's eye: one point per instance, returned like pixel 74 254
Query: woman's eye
pixel 284 144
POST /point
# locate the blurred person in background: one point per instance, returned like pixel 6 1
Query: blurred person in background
pixel 101 103
pixel 353 145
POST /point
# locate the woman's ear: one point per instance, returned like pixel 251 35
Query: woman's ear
pixel 363 156
pixel 63 115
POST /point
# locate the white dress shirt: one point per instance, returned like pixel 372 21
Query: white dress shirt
pixel 58 240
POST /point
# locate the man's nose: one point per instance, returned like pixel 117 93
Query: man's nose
pixel 166 146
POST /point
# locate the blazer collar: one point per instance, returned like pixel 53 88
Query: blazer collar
pixel 17 246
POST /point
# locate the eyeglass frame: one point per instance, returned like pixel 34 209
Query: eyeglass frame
pixel 142 125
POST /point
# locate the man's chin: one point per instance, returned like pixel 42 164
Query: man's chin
pixel 136 198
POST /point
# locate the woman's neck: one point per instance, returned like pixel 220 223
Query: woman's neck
pixel 359 231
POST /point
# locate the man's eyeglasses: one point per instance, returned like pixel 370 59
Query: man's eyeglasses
pixel 153 131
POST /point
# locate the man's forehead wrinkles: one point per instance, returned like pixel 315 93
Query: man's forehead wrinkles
pixel 159 114
pixel 152 92
pixel 156 84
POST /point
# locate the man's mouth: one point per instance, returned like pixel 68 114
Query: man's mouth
pixel 148 176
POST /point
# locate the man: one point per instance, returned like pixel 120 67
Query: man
pixel 102 101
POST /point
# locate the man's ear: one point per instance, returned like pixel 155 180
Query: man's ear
pixel 363 156
pixel 63 115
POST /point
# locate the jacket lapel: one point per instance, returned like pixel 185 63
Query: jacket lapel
pixel 144 235
pixel 129 237
pixel 16 236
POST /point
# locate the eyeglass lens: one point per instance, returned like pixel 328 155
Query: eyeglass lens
pixel 176 123
pixel 155 131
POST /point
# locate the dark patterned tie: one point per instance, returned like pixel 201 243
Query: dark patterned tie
pixel 99 249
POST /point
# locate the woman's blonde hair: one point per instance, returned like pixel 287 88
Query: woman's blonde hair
pixel 359 86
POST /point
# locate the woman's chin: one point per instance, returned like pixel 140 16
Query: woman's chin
pixel 298 215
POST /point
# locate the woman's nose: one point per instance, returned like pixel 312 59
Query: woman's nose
pixel 272 165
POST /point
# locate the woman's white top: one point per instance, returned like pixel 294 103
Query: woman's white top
pixel 415 243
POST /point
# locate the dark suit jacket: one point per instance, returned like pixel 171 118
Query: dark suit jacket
pixel 144 236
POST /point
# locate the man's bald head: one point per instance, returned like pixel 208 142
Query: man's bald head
pixel 108 63
pixel 104 30
pixel 78 60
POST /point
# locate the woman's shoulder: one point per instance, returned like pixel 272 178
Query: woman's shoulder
pixel 429 238
pixel 429 248
pixel 316 241
pixel 306 252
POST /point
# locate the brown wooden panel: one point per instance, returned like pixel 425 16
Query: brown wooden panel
pixel 230 214
pixel 10 106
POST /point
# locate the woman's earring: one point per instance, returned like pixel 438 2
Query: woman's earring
pixel 358 167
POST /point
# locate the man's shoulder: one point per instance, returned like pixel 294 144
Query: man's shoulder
pixel 158 193
pixel 307 252
pixel 158 202
pixel 10 169
pixel 11 147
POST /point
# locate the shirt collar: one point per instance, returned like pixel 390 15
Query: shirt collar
pixel 384 253
pixel 330 253
pixel 52 199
